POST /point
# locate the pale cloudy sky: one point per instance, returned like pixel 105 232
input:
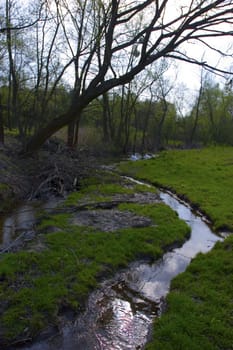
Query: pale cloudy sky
pixel 190 74
pixel 186 77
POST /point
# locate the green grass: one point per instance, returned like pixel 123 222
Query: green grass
pixel 200 305
pixel 199 311
pixel 36 286
pixel 102 188
pixel 203 176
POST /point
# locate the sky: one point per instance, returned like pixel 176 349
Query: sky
pixel 189 75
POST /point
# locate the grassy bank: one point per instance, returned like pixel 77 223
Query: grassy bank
pixel 199 311
pixel 57 270
pixel 200 305
pixel 203 176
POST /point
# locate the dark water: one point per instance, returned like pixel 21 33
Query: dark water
pixel 119 315
pixel 22 221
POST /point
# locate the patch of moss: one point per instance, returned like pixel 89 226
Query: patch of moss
pixel 59 221
pixel 4 188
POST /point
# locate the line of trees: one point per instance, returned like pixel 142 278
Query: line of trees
pixel 211 118
pixel 60 59
pixel 129 124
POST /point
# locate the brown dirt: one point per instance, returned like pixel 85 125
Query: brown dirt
pixel 54 170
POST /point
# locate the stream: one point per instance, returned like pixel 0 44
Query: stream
pixel 21 222
pixel 119 315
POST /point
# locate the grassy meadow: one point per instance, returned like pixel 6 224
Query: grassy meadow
pixel 203 176
pixel 199 311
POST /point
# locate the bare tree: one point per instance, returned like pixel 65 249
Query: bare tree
pixel 155 89
pixel 197 110
pixel 15 21
pixel 13 76
pixel 108 31
pixel 160 89
pixel 1 122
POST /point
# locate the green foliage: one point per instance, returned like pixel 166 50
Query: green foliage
pixel 215 125
pixel 204 176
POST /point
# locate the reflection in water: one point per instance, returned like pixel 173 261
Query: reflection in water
pixel 153 281
pixel 128 329
pixel 120 314
pixel 22 219
pixel 202 238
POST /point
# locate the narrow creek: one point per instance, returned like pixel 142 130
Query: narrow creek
pixel 21 221
pixel 120 313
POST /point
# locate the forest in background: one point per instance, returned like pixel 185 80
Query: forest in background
pixel 62 68
pixel 124 123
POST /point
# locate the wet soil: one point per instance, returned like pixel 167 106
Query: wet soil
pixel 106 217
pixel 110 220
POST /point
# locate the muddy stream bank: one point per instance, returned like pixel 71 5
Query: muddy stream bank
pixel 19 226
pixel 119 315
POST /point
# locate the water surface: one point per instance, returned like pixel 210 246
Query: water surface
pixel 22 220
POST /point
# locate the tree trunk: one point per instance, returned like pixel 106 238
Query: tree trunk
pixel 160 126
pixel 145 127
pixel 1 123
pixel 136 131
pixel 76 132
pixel 54 125
pixel 106 117
pixel 70 134
pixel 193 131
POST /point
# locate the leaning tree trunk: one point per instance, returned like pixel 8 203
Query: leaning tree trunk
pixel 106 117
pixel 53 126
pixel 70 134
